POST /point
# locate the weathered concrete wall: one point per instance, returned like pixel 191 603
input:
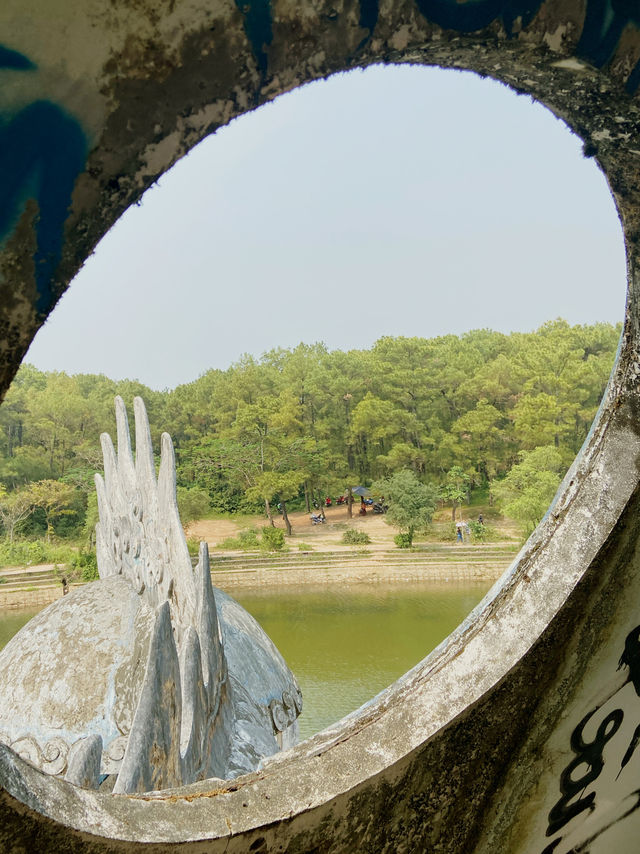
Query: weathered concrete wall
pixel 520 733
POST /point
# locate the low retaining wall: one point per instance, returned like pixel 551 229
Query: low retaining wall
pixel 228 579
pixel 26 598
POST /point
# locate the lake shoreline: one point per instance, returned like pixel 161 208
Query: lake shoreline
pixel 362 570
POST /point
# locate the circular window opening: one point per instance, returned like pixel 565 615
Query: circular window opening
pixel 385 206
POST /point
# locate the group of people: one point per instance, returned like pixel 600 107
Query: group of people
pixel 377 507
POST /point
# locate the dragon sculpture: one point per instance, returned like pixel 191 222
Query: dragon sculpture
pixel 148 678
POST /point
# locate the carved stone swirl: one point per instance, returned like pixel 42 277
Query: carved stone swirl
pixel 114 754
pixel 284 713
pixel 52 759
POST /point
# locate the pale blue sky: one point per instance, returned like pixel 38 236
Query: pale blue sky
pixel 395 201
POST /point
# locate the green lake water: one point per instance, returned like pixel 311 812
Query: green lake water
pixel 344 644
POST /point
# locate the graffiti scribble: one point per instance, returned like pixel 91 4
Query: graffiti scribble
pixel 590 756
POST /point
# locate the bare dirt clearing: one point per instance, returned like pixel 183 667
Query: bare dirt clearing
pixel 324 536
pixel 328 535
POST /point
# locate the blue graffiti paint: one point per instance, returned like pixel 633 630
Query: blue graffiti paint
pixel 42 151
pixel 472 15
pixel 369 13
pixel 633 81
pixel 258 25
pixel 466 16
pixel 12 59
pixel 605 21
pixel 604 24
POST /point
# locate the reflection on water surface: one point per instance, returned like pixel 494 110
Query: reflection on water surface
pixel 344 644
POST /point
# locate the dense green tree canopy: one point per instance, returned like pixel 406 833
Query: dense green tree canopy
pixel 296 425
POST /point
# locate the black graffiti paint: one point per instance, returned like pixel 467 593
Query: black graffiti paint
pixel 573 801
pixel 631 658
pixel 591 756
pixel 585 847
pixel 631 749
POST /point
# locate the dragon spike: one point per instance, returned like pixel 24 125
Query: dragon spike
pixel 111 479
pixel 106 559
pixel 213 660
pixel 194 707
pixel 152 758
pixel 126 466
pixel 167 474
pixel 145 466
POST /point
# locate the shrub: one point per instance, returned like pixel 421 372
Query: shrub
pixel 249 539
pixel 352 537
pixel 90 573
pixel 305 547
pixel 479 532
pixel 489 533
pixel 272 539
pixel 448 533
pixel 34 552
pixel 403 541
pixel 86 564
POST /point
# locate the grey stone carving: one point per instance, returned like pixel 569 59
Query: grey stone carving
pixel 148 678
